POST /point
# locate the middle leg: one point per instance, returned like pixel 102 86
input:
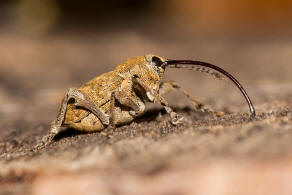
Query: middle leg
pixel 175 118
pixel 126 96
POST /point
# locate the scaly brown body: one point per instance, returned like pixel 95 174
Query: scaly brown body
pixel 99 90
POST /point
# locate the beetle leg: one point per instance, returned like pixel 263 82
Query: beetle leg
pixel 127 97
pixel 112 109
pixel 108 131
pixel 175 118
pixel 80 100
pixel 166 87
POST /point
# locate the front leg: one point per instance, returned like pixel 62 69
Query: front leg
pixel 175 118
pixel 166 87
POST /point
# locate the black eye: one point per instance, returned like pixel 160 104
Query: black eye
pixel 156 61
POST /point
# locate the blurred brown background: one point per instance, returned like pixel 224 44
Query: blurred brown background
pixel 202 16
pixel 47 46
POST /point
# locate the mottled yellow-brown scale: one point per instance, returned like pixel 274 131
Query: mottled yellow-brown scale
pixel 99 91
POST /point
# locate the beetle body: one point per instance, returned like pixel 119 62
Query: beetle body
pixel 99 90
pixel 119 96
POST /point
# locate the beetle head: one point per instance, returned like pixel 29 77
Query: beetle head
pixel 156 63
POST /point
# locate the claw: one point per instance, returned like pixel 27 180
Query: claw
pixel 46 140
pixel 175 118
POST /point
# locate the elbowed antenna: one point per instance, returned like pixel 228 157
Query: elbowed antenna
pixel 179 64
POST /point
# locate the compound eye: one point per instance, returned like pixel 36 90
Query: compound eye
pixel 157 61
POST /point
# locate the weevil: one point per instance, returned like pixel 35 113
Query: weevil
pixel 118 97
